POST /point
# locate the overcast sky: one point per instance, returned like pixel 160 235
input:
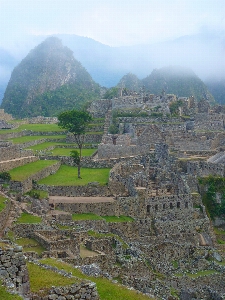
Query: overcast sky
pixel 111 22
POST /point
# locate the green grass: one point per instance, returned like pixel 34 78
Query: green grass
pixel 87 216
pixel 23 172
pixel 218 231
pixel 67 176
pixel 175 264
pixel 41 280
pixel 221 242
pixel 42 194
pixel 4 295
pixel 30 138
pixel 46 145
pixel 115 219
pixel 30 245
pixel 36 127
pixel 2 202
pixel 66 151
pixel 107 290
pixel 28 219
pixel 202 273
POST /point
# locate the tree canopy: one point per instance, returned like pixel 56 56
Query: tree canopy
pixel 75 122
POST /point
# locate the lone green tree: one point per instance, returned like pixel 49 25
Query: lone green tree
pixel 76 123
pixel 76 159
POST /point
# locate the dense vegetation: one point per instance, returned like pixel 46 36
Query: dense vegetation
pixel 215 188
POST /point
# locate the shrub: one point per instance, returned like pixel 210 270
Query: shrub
pixel 5 176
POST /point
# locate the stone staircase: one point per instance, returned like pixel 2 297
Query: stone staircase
pixel 107 121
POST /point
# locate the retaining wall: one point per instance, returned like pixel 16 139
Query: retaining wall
pixel 26 185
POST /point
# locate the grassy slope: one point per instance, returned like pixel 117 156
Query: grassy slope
pixel 23 172
pixel 67 175
pixel 2 202
pixel 107 290
pixel 4 295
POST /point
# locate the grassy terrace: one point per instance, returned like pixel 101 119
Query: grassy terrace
pixel 41 280
pixel 91 216
pixel 30 245
pixel 23 172
pixel 26 218
pixel 67 175
pixel 66 151
pixel 2 202
pixel 107 289
pixel 35 127
pixel 46 145
pixel 30 138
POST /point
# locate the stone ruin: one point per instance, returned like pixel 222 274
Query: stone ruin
pixel 155 165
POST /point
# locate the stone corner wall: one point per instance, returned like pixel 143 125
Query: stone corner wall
pixel 13 270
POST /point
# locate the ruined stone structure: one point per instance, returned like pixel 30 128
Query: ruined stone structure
pixel 155 164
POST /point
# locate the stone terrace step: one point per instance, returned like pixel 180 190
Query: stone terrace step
pixel 7 165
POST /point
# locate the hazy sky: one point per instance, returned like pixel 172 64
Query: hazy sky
pixel 112 22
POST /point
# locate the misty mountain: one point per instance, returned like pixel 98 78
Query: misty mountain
pixel 48 80
pixel 217 88
pixel 131 82
pixel 180 81
pixel 203 53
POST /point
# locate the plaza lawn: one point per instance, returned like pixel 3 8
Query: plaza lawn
pixel 23 172
pixel 66 151
pixel 30 138
pixel 107 289
pixel 67 176
pixel 2 202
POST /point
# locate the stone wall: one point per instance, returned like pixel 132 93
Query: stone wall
pixel 202 168
pixel 89 138
pixel 4 214
pixel 8 165
pixel 13 270
pixel 99 108
pixel 107 151
pixel 13 151
pixel 43 120
pixel 92 189
pixel 26 185
pixel 4 116
pixel 83 290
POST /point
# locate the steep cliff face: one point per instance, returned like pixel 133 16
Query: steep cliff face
pixel 48 80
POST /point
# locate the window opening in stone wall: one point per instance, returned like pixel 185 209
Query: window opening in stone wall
pixel 148 208
pixel 178 204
